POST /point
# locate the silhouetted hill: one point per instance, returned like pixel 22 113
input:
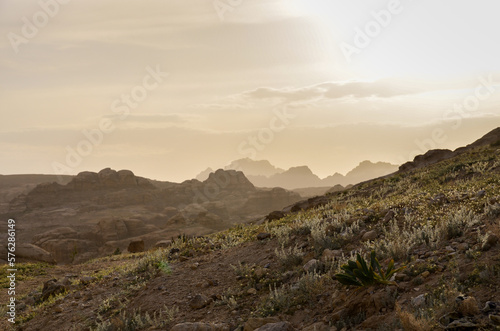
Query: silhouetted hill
pixel 302 177
pixel 437 155
pixel 254 168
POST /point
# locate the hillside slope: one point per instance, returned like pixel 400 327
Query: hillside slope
pixel 441 222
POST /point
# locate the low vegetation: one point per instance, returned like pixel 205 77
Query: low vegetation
pixel 430 231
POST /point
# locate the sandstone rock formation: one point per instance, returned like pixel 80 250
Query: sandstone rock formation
pixel 100 213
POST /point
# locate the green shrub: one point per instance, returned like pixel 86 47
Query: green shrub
pixel 358 273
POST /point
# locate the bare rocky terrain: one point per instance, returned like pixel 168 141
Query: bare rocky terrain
pixel 96 214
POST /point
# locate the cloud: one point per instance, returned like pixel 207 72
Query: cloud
pixel 160 119
pixel 336 90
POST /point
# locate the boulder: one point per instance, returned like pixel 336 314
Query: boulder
pixel 68 250
pixel 50 288
pixel 56 234
pixel 176 220
pixel 127 178
pixel 111 230
pixel 136 246
pixel 311 265
pixel 135 227
pixel 199 301
pixel 275 215
pixel 329 254
pixel 430 157
pixel 263 236
pixel 30 252
pixel 370 235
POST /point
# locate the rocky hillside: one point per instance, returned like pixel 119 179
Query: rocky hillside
pixel 439 224
pixel 96 214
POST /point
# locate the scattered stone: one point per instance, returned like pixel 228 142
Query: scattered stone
pixel 311 265
pixel 263 235
pixel 280 326
pixel 260 272
pixel 370 235
pixel 199 301
pixel 255 323
pixel 136 246
pixel 51 288
pixel 461 324
pixel 400 277
pixel 489 306
pixel 194 266
pixel 418 301
pixel 252 291
pixel 200 327
pixel 440 199
pixel 425 274
pixel 275 215
pixel 490 241
pixel 389 216
pixel 449 249
pixel 329 254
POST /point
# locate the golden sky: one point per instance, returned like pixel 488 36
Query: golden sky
pixel 168 88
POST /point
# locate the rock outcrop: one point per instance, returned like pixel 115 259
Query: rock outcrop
pixel 100 213
pixel 30 252
pixel 437 155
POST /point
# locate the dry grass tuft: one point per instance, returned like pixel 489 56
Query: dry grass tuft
pixel 410 323
pixel 468 307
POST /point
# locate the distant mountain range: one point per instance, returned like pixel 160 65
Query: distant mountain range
pixel 263 174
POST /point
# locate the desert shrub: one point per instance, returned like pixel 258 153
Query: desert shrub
pixel 410 323
pixel 359 273
pixel 137 320
pixel 289 257
pixel 287 298
pixel 152 261
pixel 457 223
pixel 492 210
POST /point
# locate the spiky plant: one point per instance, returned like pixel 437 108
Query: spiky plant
pixel 359 273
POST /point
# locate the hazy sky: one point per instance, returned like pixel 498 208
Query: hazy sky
pixel 168 88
